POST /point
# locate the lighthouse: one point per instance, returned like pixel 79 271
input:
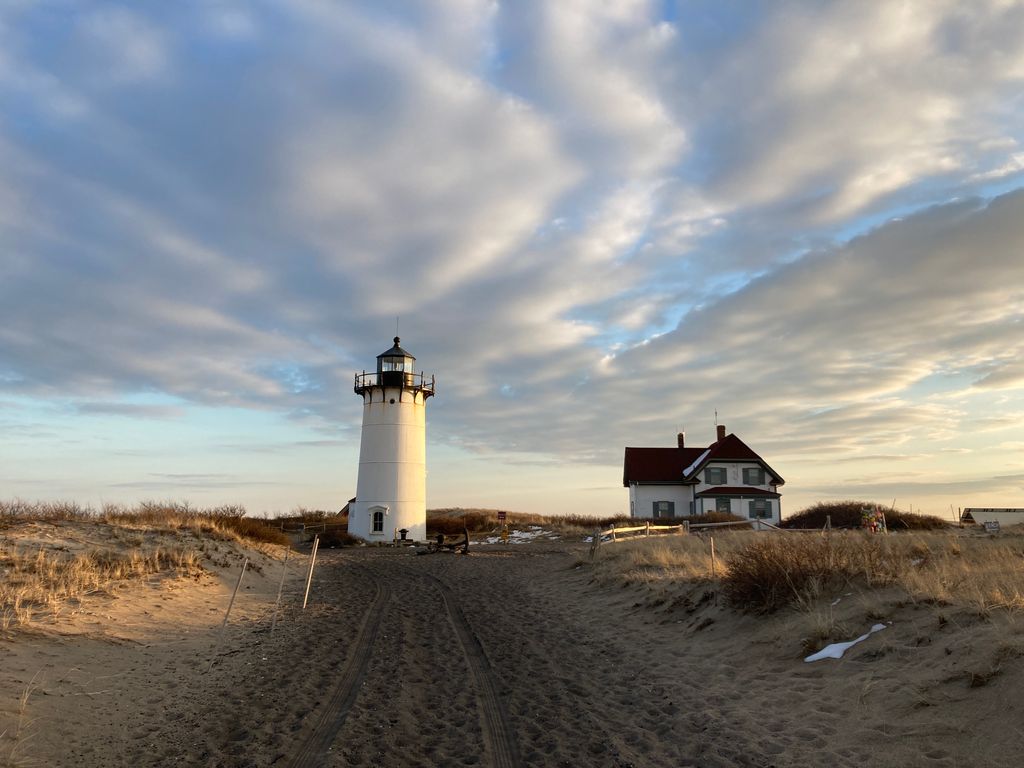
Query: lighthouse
pixel 391 491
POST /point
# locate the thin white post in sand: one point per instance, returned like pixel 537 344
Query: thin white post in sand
pixel 714 570
pixel 227 613
pixel 647 528
pixel 613 531
pixel 312 562
pixel 280 589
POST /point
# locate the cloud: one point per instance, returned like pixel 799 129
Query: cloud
pixel 845 104
pixel 131 410
pixel 595 223
pixel 930 487
pixel 173 482
pixel 119 47
pixel 598 66
pixel 822 354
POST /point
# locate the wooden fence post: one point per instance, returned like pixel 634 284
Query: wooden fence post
pixel 647 528
pixel 714 569
pixel 312 562
pixel 613 531
pixel 595 542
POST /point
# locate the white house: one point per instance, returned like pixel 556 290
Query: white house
pixel 727 476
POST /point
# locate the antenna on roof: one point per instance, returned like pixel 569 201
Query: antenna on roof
pixel 716 418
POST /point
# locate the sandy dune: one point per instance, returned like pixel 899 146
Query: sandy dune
pixel 505 657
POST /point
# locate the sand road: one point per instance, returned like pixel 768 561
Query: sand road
pixel 505 657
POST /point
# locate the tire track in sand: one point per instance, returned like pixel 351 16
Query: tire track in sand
pixel 499 739
pixel 313 750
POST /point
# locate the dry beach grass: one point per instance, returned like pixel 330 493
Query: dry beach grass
pixel 766 572
pixel 63 551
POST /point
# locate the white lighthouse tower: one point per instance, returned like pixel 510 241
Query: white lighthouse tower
pixel 391 492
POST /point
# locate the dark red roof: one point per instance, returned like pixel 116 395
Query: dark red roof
pixel 657 465
pixel 668 465
pixel 731 447
pixel 735 490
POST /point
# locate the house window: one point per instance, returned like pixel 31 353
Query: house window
pixel 760 508
pixel 715 476
pixel 664 509
pixel 753 476
pixel 723 504
pixel 378 521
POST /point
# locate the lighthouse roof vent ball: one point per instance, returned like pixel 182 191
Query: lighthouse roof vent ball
pixel 395 351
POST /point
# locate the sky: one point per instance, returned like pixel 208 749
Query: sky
pixel 596 223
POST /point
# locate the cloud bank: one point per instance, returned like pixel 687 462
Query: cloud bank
pixel 596 225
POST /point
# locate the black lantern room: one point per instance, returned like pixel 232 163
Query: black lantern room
pixel 395 367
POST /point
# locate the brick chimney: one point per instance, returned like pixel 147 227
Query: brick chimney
pixel 681 439
pixel 721 432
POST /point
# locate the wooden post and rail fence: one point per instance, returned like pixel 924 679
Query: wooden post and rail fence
pixel 684 528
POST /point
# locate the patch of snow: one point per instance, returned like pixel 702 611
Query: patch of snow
pixel 520 537
pixel 689 469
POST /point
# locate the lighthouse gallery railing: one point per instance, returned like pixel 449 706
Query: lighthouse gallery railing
pixel 418 381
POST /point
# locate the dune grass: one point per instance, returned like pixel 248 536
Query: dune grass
pixel 765 572
pixel 40 581
pixel 227 522
pixel 167 537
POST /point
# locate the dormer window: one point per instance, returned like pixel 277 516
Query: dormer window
pixel 715 475
pixel 753 476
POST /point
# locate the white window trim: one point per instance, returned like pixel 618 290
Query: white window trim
pixel 373 511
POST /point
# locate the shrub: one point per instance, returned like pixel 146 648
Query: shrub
pixel 847 514
pixel 337 536
pixel 773 571
pixel 451 522
pixel 253 528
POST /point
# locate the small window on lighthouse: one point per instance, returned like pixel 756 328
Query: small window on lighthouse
pixel 378 521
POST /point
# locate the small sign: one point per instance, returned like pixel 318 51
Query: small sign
pixel 991 526
pixel 501 516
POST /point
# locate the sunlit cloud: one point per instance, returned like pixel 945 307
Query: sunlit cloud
pixel 598 224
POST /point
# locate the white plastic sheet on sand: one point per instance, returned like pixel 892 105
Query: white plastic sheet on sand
pixel 836 650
